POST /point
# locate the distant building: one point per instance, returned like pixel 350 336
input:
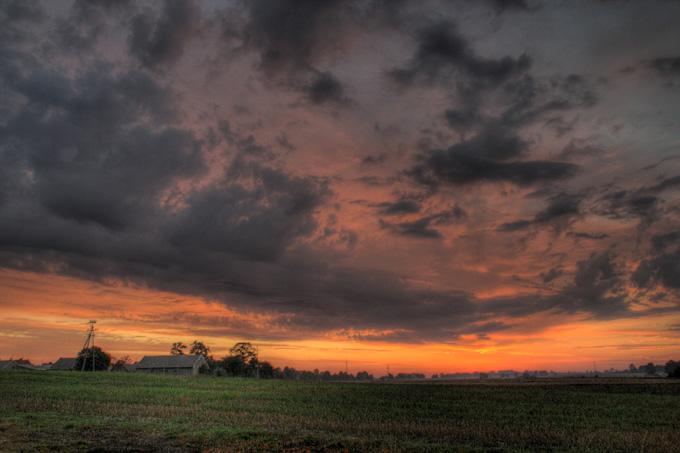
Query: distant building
pixel 182 365
pixel 64 364
pixel 30 366
pixel 124 367
pixel 7 365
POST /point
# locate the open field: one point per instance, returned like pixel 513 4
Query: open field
pixel 70 411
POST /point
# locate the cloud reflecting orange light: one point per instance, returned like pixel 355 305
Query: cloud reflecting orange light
pixel 45 317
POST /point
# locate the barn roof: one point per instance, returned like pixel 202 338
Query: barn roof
pixel 64 363
pixel 170 361
pixel 7 364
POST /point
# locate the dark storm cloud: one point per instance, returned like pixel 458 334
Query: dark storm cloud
pixel 15 16
pixel 582 235
pixel 254 223
pixel 663 269
pixel 419 228
pixel 293 35
pixel 551 275
pixel 462 120
pixel 399 207
pixel 561 211
pixel 87 21
pixel 667 66
pixel 576 150
pixel 660 241
pixel 596 292
pixel 100 180
pixel 441 48
pixel 325 88
pixel 424 226
pixel 90 158
pixel 530 99
pixel 596 289
pixel 161 40
pixel 485 158
pixel 246 143
pixel 644 203
pixel 668 183
pixel 510 4
pixel 450 167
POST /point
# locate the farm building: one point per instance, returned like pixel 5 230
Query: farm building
pixel 64 364
pixel 185 365
pixel 124 367
pixel 8 365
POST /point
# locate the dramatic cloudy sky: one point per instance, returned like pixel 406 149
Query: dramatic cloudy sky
pixel 449 185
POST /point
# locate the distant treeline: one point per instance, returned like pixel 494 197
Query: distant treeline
pixel 243 362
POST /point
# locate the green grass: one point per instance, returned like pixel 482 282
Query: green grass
pixel 71 411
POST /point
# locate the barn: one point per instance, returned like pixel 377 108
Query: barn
pixel 123 367
pixel 8 365
pixel 182 365
pixel 64 364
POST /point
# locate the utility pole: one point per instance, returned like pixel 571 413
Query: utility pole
pixel 257 364
pixel 346 367
pixel 90 337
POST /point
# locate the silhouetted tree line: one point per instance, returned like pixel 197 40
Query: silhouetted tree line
pixel 672 368
pixel 242 362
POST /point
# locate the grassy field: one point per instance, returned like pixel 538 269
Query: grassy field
pixel 70 411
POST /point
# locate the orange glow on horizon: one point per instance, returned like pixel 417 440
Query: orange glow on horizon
pixel 49 321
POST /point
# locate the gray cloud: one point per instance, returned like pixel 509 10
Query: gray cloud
pixel 660 241
pixel 667 66
pixel 90 159
pixel 88 21
pixel 326 88
pixel 161 40
pixel 109 173
pixel 485 158
pixel 644 203
pixel 292 35
pixel 424 226
pixel 442 48
pixel 663 269
pixel 551 275
pixel 561 210
pixel 582 235
pixel 399 207
pixel 251 223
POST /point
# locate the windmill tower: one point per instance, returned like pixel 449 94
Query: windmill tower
pixel 90 338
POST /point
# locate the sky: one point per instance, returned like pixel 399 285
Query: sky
pixel 430 186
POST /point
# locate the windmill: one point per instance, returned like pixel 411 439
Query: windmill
pixel 90 337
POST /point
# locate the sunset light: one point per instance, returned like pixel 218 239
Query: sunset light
pixel 386 186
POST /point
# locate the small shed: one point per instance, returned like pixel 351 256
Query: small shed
pixel 181 365
pixel 64 364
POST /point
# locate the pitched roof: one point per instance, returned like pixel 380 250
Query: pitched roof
pixel 24 366
pixel 7 364
pixel 130 367
pixel 170 361
pixel 64 363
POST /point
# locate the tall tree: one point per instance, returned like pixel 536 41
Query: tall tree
pixel 244 350
pixel 178 348
pixel 102 359
pixel 198 348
